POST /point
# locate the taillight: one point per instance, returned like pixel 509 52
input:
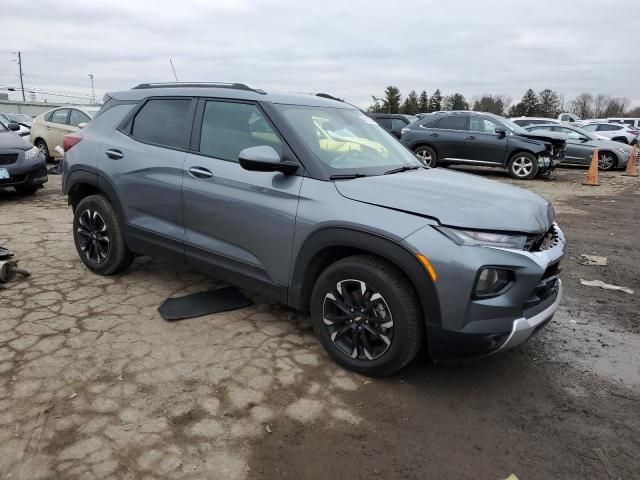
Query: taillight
pixel 70 139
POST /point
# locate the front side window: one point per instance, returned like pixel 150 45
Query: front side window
pixel 77 117
pixel 453 122
pixel 60 116
pixel 573 135
pixel 228 128
pixel 163 122
pixel 482 125
pixel 590 128
pixel 345 141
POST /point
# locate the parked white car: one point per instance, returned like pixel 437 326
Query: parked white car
pixel 525 121
pixel 617 132
pixel 634 122
pixel 568 117
pixel 50 127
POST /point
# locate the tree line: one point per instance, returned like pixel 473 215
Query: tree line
pixel 545 103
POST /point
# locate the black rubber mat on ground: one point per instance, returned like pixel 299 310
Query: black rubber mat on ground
pixel 203 303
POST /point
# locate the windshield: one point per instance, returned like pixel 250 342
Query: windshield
pixel 512 127
pixel 19 118
pixel 346 141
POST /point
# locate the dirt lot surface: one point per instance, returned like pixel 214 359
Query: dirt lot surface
pixel 94 384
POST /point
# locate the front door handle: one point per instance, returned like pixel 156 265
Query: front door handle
pixel 435 135
pixel 200 172
pixel 114 154
pixel 471 137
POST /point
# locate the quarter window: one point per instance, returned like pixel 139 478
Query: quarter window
pixel 228 128
pixel 453 122
pixel 60 116
pixel 164 122
pixel 77 117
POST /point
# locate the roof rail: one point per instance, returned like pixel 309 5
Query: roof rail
pixel 234 86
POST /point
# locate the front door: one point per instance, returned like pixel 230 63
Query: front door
pixel 238 224
pixel 144 163
pixel 483 143
pixel 579 148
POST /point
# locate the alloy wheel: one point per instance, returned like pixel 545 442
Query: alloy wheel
pixel 522 166
pixel 93 236
pixel 425 157
pixel 605 161
pixel 358 320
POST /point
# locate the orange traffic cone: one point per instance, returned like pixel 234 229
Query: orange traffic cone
pixel 592 174
pixel 632 164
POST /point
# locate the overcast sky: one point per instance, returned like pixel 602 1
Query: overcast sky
pixel 349 48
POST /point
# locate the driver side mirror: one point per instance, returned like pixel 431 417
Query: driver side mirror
pixel 501 133
pixel 265 159
pixel 13 126
pixel 584 139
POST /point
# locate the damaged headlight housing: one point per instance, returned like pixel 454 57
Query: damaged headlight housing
pixel 474 238
pixel 32 153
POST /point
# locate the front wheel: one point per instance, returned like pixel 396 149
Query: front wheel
pixel 606 161
pixel 427 156
pixel 44 150
pixel 366 315
pixel 523 166
pixel 97 234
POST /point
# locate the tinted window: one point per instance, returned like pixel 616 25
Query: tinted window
pixel 385 122
pixel 77 117
pixel 482 125
pixel 608 128
pixel 397 124
pixel 590 128
pixel 569 133
pixel 454 122
pixel 629 122
pixel 228 128
pixel 163 122
pixel 59 116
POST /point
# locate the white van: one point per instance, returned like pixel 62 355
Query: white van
pixel 568 117
pixel 634 122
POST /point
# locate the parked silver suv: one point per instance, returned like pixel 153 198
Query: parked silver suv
pixel 308 201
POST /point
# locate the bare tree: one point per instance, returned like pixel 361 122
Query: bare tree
pixel 581 105
pixel 600 104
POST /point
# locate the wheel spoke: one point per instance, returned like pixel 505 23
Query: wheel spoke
pixel 331 319
pixel 354 342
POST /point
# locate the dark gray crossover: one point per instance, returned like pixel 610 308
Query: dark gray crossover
pixel 475 138
pixel 310 202
pixel 21 164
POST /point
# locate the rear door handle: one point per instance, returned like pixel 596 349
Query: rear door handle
pixel 200 172
pixel 435 135
pixel 114 154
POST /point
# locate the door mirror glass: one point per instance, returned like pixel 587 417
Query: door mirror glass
pixel 264 159
pixel 14 127
pixel 501 133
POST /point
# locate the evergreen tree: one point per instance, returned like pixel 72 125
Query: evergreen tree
pixel 435 102
pixel 455 102
pixel 423 102
pixel 548 103
pixel 391 100
pixel 530 103
pixel 410 106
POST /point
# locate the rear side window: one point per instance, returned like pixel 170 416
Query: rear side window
pixel 60 116
pixel 608 128
pixel 77 117
pixel 228 128
pixel 165 122
pixel 453 122
pixel 384 122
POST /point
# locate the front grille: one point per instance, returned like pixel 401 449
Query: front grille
pixel 8 158
pixel 544 241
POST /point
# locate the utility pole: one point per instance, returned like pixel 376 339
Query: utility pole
pixel 174 70
pixel 20 68
pixel 93 93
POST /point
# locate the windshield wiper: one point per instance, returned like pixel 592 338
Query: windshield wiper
pixel 403 168
pixel 347 176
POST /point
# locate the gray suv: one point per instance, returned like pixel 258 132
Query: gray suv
pixel 308 201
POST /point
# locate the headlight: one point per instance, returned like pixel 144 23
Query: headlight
pixel 473 238
pixel 31 153
pixel 624 150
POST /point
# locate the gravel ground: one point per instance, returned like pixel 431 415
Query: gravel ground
pixel 94 384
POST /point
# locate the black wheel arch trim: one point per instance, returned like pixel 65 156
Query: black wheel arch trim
pixel 81 176
pixel 305 271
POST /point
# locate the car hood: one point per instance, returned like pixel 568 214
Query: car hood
pixel 455 199
pixel 556 138
pixel 609 144
pixel 13 141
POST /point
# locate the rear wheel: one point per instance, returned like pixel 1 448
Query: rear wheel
pixel 427 156
pixel 366 315
pixel 606 161
pixel 523 166
pixel 44 150
pixel 97 234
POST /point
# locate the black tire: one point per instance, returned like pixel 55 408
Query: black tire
pixel 426 155
pixel 94 220
pixel 27 189
pixel 391 310
pixel 42 146
pixel 606 161
pixel 523 166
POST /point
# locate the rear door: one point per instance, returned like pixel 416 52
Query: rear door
pixel 449 136
pixel 236 220
pixel 56 128
pixel 397 124
pixel 143 161
pixel 483 143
